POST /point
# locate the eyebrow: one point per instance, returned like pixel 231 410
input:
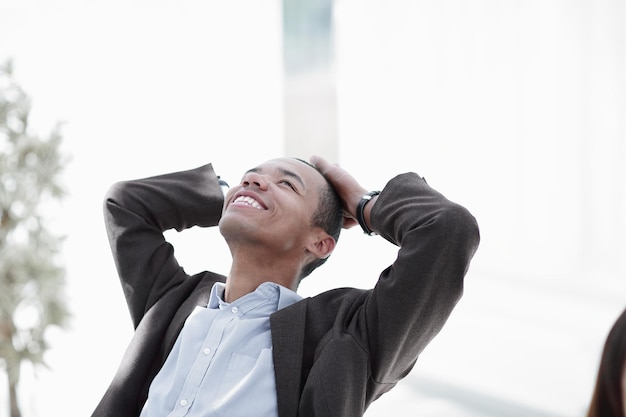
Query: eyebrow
pixel 282 171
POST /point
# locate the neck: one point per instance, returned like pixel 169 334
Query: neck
pixel 245 277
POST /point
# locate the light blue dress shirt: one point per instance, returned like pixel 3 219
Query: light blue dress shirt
pixel 221 363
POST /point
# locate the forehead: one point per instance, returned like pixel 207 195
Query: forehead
pixel 307 174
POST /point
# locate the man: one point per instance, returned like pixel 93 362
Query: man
pixel 247 344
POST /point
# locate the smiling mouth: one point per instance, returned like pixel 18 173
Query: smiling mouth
pixel 247 201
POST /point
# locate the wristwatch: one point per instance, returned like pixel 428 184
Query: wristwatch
pixel 361 208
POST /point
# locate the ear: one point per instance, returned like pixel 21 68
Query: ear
pixel 321 244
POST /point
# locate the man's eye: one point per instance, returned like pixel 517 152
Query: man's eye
pixel 287 183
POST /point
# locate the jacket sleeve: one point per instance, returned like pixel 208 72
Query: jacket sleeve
pixel 137 212
pixel 414 297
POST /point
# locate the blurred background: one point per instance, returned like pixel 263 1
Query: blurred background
pixel 515 109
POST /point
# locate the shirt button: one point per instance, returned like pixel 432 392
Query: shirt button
pixel 183 403
pixel 234 310
pixel 206 351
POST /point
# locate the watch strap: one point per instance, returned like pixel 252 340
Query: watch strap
pixel 360 209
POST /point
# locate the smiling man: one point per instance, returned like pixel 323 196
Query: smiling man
pixel 246 344
pixel 269 219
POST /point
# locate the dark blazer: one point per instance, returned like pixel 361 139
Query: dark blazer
pixel 334 353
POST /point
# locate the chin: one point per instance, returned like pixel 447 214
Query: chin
pixel 233 229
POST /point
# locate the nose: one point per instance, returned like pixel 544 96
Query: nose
pixel 254 179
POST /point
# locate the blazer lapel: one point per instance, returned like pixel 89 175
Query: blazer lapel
pixel 287 341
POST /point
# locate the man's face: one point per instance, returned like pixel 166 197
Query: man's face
pixel 273 205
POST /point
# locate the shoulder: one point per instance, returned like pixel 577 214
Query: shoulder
pixel 336 307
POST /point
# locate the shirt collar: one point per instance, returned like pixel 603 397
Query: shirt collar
pixel 286 297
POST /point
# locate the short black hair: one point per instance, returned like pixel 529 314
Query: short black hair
pixel 328 215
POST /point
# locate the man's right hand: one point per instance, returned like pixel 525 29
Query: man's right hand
pixel 348 189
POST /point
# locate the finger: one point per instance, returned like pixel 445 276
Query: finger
pixel 319 162
pixel 333 172
pixel 349 222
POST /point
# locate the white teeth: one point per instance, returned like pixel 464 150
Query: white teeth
pixel 244 199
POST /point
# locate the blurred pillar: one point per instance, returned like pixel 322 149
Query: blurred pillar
pixel 310 99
